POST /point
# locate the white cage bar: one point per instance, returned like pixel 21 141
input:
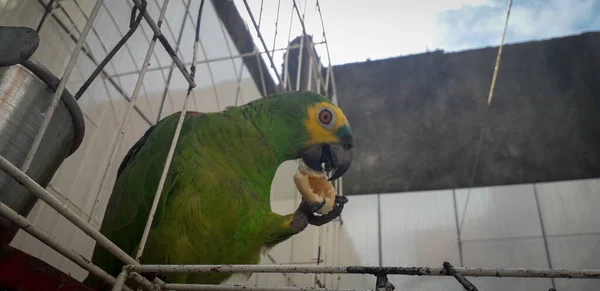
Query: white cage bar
pixel 133 268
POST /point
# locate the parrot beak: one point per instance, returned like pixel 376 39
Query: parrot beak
pixel 335 159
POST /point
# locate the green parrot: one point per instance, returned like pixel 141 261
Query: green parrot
pixel 215 206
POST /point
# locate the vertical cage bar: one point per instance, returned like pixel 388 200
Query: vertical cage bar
pixel 262 40
pixel 176 135
pixel 120 281
pixel 123 127
pixel 158 35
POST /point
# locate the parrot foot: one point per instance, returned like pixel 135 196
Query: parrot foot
pixel 318 206
pixel 318 220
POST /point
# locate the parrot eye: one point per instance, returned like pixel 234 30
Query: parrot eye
pixel 325 117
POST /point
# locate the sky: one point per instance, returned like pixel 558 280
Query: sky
pixel 358 30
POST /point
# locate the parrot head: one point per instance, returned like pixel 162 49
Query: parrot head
pixel 330 144
pixel 307 126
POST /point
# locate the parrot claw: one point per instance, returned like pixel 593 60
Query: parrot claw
pixel 318 220
pixel 341 199
pixel 316 207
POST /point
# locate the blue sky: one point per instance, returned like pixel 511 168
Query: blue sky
pixel 376 29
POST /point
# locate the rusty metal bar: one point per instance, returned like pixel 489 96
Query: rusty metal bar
pixel 411 271
pixel 249 288
pixel 120 282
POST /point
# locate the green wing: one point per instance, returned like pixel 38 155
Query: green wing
pixel 133 193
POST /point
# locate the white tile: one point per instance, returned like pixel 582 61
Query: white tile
pixel 227 92
pixel 128 83
pixel 418 229
pixel 283 187
pixel 210 30
pixel 95 101
pixel 20 13
pixel 575 252
pixel 498 212
pixel 511 253
pixel 86 182
pixel 71 166
pixel 206 100
pixel 360 217
pixel 349 255
pixel 570 207
pixel 249 91
pixel 305 250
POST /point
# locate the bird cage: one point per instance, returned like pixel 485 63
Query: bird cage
pixel 130 64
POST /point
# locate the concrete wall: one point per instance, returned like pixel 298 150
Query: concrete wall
pixel 417 119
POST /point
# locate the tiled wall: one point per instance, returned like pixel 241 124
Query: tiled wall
pixel 503 227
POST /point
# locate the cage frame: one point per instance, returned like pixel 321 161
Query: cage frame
pixel 133 268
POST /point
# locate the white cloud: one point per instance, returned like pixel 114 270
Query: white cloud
pixel 358 29
pixel 482 25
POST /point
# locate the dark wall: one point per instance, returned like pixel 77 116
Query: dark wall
pixel 417 119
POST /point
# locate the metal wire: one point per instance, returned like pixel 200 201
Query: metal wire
pixel 167 165
pixel 409 271
pixel 123 127
pixel 492 86
pixel 262 40
pixel 158 34
pixel 215 59
pixel 133 26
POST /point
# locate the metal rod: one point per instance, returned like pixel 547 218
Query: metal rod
pixel 262 40
pixel 61 87
pixel 50 241
pixel 333 86
pixel 235 70
pixel 167 165
pixel 195 59
pixel 411 271
pixel 312 58
pixel 276 24
pixel 497 66
pixel 100 67
pixel 172 66
pixel 123 127
pixel 299 69
pixel 240 287
pixel 262 75
pixel 89 54
pixel 212 60
pixel 144 282
pixel 120 282
pixel 491 93
pixel 286 77
pixel 48 11
pixel 158 35
pixel 459 277
pixel 61 208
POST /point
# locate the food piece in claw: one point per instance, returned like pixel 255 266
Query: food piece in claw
pixel 315 189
